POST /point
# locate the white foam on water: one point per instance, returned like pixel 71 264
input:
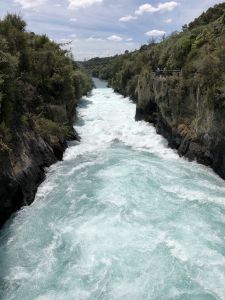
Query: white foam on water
pixel 110 117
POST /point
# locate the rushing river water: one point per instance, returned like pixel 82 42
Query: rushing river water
pixel 122 217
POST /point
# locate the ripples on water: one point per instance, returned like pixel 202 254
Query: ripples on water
pixel 122 217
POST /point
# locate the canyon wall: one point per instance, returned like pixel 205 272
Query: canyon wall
pixel 190 121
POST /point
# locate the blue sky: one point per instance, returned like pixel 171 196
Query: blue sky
pixel 105 27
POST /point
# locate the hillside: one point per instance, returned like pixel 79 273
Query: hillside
pixel 187 106
pixel 40 86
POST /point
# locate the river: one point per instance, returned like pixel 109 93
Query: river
pixel 122 217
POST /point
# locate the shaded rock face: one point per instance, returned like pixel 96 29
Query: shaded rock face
pixel 192 123
pixel 24 169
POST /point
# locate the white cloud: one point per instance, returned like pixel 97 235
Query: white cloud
pixel 115 38
pixel 76 4
pixel 168 21
pixel 73 35
pixel 94 39
pixel 145 8
pixel 148 8
pixel 65 41
pixel 127 18
pixel 167 6
pixel 73 20
pixel 129 40
pixel 155 33
pixel 26 4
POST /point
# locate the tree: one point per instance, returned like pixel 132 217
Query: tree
pixel 15 21
pixel 163 37
pixel 152 41
pixel 184 27
pixel 36 74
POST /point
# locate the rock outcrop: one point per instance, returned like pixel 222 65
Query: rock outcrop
pixel 21 171
pixel 190 121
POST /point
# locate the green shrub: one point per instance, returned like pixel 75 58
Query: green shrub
pixel 39 81
pixel 46 128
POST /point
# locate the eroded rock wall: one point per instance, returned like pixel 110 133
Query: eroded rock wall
pixel 188 117
pixel 21 171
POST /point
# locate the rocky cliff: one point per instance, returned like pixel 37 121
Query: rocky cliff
pixel 184 116
pixel 23 168
pixel 22 171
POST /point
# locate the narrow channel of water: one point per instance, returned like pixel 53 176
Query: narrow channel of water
pixel 122 217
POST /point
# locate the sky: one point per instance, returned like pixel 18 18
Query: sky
pixel 105 27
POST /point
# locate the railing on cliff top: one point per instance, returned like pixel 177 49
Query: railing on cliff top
pixel 166 72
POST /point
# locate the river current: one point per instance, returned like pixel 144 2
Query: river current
pixel 122 217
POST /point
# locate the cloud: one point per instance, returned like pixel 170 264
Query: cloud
pixel 26 4
pixel 115 38
pixel 168 21
pixel 129 40
pixel 65 41
pixel 145 8
pixel 155 33
pixel 76 4
pixel 94 39
pixel 73 35
pixel 73 20
pixel 148 8
pixel 127 18
pixel 167 6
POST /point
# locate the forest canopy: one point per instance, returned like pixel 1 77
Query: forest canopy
pixel 38 80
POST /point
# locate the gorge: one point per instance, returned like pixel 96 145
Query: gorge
pixel 121 217
pixel 112 169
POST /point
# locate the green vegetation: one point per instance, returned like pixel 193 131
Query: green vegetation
pixel 198 51
pixel 40 83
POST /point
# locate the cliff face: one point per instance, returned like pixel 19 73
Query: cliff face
pixel 40 86
pixel 22 170
pixel 185 117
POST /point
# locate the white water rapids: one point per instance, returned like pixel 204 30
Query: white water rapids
pixel 121 218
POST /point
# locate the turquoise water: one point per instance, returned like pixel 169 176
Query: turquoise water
pixel 122 217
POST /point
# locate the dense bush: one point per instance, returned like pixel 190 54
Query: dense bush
pixel 35 73
pixel 210 16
